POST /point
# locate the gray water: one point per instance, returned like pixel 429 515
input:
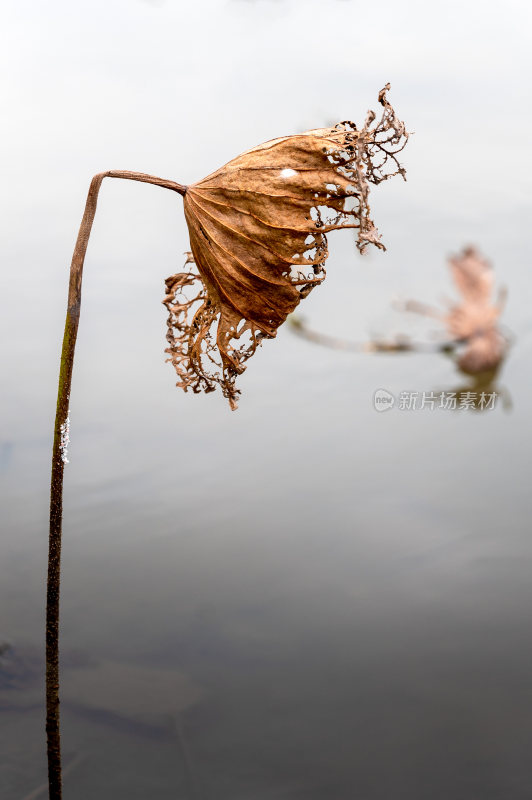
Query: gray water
pixel 304 598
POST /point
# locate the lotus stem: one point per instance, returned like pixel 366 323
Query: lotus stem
pixel 58 464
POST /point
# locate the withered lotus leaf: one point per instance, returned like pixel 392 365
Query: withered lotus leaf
pixel 474 319
pixel 258 238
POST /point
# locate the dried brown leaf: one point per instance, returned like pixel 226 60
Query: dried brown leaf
pixel 483 352
pixel 258 235
pixel 473 276
pixel 474 320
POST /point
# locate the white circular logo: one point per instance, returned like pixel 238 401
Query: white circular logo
pixel 383 400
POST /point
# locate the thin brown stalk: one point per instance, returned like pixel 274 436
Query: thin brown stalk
pixel 58 464
pixel 401 344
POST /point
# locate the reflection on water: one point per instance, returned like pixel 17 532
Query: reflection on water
pixel 482 391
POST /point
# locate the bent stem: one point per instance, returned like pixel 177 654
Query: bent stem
pixel 58 464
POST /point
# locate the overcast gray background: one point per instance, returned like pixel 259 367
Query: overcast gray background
pixel 350 590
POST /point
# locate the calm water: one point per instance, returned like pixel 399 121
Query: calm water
pixel 304 599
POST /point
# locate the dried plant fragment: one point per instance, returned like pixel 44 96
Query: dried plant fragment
pixel 472 322
pixel 475 318
pixel 258 236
